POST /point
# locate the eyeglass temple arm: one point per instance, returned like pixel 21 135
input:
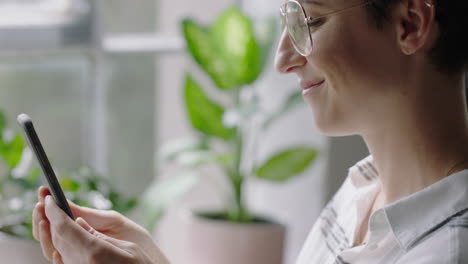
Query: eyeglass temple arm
pixel 310 19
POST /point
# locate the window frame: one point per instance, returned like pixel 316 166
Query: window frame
pixel 59 39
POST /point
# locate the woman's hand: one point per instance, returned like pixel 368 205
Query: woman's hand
pixel 95 237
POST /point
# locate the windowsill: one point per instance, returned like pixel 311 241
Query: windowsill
pixel 142 42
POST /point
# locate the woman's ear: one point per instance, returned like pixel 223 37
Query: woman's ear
pixel 415 23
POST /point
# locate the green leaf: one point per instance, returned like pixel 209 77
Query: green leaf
pixel 33 178
pixel 203 51
pixel 233 36
pixel 171 150
pixel 205 115
pixel 30 182
pixel 227 51
pixel 29 226
pixel 12 151
pixel 199 158
pixel 3 123
pixel 294 99
pixel 287 164
pixel 121 204
pixel 68 184
pixel 161 194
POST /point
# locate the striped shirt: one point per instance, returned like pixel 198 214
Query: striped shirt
pixel 429 226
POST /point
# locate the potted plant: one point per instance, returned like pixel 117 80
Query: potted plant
pixel 232 52
pixel 19 180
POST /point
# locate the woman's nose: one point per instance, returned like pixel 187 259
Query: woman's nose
pixel 287 59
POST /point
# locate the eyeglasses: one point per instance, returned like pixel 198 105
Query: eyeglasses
pixel 297 22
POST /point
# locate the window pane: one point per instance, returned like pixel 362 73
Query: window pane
pixel 57 93
pixel 130 121
pixel 124 16
pixel 41 12
pixel 51 91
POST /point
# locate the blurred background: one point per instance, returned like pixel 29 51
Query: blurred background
pixel 102 80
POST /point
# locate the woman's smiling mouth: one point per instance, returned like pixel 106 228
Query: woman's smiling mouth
pixel 310 87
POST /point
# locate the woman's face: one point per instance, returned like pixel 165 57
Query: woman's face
pixel 352 68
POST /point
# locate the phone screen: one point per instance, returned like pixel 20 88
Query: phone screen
pixel 33 140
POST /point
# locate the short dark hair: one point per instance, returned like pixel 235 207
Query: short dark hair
pixel 450 52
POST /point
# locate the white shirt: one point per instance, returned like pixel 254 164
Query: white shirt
pixel 430 226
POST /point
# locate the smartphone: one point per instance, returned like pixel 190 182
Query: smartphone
pixel 26 123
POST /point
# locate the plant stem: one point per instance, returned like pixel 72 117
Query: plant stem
pixel 240 213
pixel 238 179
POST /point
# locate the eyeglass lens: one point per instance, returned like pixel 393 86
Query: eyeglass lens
pixel 297 27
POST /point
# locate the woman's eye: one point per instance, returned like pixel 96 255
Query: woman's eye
pixel 315 22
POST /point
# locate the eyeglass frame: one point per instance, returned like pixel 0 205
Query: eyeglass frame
pixel 309 20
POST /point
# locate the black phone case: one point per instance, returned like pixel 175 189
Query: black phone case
pixel 34 142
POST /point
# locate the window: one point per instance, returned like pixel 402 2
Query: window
pixel 40 12
pixel 86 76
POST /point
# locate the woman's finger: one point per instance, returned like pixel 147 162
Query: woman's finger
pixel 99 219
pixel 38 215
pixel 113 241
pixel 56 258
pixel 42 192
pixel 46 240
pixel 121 248
pixel 38 212
pixel 64 231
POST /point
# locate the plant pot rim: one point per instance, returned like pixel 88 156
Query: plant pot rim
pixel 259 220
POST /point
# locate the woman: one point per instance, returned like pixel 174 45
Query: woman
pixel 391 71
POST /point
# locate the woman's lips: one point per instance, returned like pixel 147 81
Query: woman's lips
pixel 307 88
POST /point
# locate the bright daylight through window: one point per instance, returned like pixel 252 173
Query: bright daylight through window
pixel 40 12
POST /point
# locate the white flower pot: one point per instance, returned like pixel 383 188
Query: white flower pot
pixel 221 242
pixel 20 251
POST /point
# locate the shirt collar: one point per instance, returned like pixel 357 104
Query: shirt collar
pixel 363 173
pixel 413 216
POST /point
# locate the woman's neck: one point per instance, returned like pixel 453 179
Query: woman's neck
pixel 420 141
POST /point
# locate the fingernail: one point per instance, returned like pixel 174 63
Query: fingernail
pixel 48 199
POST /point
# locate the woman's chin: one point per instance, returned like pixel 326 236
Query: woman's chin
pixel 333 127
